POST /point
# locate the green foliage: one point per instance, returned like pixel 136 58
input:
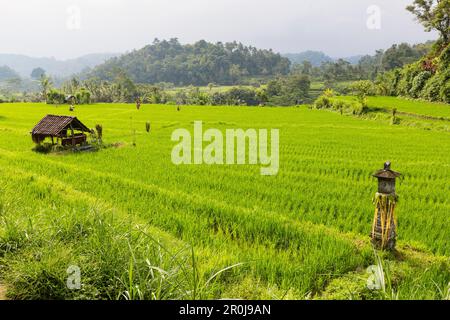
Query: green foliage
pixel 445 92
pixel 432 88
pixel 323 102
pixel 343 106
pixel 46 85
pixel 83 96
pixel 55 97
pixel 427 78
pixel 368 67
pixel 196 97
pixel 400 55
pixel 407 77
pixel 418 83
pixel 362 89
pixel 397 56
pixel 290 90
pixel 198 64
pixel 124 87
pixel 434 15
pixel 340 70
pixel 283 91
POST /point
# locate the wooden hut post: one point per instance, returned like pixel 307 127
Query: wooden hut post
pixel 73 135
pixel 384 228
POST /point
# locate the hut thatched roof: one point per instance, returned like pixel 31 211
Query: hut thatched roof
pixel 56 126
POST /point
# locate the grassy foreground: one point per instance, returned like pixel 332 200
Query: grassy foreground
pixel 140 227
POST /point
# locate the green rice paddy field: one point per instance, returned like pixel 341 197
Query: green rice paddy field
pixel 139 227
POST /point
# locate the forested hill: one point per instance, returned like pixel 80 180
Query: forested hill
pixel 200 63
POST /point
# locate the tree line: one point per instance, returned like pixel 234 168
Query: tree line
pixel 284 90
pixel 368 67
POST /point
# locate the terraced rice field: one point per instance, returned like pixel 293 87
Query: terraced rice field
pixel 139 226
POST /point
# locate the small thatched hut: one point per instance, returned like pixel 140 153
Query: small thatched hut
pixel 69 130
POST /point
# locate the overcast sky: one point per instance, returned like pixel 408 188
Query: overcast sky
pixel 70 28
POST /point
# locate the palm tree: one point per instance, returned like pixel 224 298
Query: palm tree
pixel 46 85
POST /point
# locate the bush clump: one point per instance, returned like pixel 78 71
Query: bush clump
pixel 352 107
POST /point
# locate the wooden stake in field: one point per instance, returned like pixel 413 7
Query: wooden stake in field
pixel 138 103
pixel 384 228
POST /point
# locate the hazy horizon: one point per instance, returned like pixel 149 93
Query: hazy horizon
pixel 66 29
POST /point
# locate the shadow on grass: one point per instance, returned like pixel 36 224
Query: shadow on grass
pixel 48 148
pixel 377 109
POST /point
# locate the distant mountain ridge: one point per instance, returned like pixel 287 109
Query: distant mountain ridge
pixel 23 64
pixel 316 58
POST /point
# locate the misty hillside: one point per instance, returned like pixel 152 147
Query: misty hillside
pixel 197 64
pixel 353 59
pixel 23 65
pixel 316 58
pixel 6 73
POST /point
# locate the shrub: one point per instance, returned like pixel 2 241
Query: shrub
pixel 445 58
pixel 55 97
pixel 328 93
pixel 339 105
pixel 363 88
pixel 418 83
pixel 197 97
pixel 323 103
pixel 407 76
pixel 242 96
pixel 218 98
pixel 431 90
pixel 83 96
pixel 445 92
pixel 358 108
pixel 354 107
